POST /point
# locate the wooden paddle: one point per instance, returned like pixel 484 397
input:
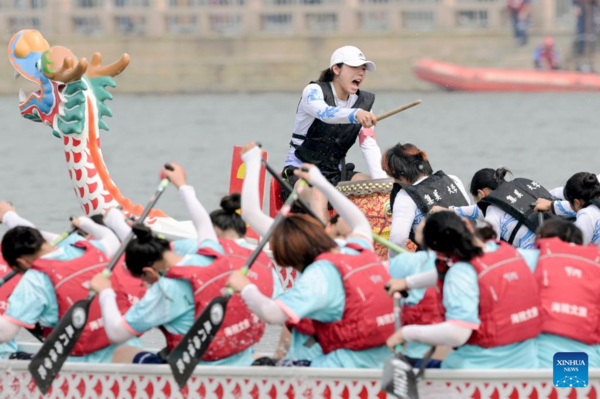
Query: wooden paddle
pixel 46 364
pixel 186 355
pixel 397 110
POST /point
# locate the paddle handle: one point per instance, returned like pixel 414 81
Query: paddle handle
pixel 161 188
pixel 280 216
pixel 289 189
pixel 7 277
pixel 397 110
pixel 388 244
pixel 62 237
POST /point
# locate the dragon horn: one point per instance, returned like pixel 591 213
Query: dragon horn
pixel 96 68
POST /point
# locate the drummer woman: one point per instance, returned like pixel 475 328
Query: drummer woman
pixel 329 118
pixel 416 190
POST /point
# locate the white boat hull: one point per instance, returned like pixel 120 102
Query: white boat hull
pixel 145 381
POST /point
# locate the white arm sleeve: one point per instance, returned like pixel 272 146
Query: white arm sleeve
pixel 8 330
pixel 113 319
pixel 422 280
pixel 12 219
pixel 372 154
pixel 586 224
pixel 312 103
pixel 471 212
pixel 251 212
pixel 402 220
pixel 443 334
pixel 558 193
pixel 263 306
pixel 563 208
pixel 103 234
pixel 116 221
pixel 353 216
pixel 199 215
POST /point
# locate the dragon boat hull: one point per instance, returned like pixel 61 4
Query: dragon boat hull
pixel 144 381
pixel 455 77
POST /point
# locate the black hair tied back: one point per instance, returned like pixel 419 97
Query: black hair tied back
pixel 142 233
pixel 228 217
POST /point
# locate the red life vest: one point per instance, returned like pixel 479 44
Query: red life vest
pixel 568 276
pixel 509 301
pixel 241 328
pixel 7 288
pixel 132 287
pixel 368 318
pixel 71 284
pixel 429 310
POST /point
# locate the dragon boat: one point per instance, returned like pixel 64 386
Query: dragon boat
pixel 71 100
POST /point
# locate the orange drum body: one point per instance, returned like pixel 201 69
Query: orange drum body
pixel 373 198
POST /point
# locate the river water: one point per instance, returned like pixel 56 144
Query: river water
pixel 545 137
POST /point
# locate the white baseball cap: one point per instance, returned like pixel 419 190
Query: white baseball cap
pixel 352 56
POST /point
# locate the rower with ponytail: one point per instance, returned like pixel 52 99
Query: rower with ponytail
pixel 506 205
pixel 416 190
pixel 491 321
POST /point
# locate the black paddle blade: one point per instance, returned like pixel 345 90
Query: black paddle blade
pixel 193 345
pixel 46 364
pixel 399 378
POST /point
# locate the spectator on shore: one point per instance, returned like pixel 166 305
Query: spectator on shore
pixel 520 13
pixel 546 56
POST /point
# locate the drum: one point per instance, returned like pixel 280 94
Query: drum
pixel 373 198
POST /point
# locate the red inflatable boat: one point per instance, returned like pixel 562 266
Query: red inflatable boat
pixel 454 77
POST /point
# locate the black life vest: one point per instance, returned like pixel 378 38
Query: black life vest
pixel 325 144
pixel 516 198
pixel 437 189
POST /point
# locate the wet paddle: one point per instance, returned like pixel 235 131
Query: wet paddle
pixel 46 364
pixel 186 355
pixel 397 110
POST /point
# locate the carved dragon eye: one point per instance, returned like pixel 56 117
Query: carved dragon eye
pixel 38 65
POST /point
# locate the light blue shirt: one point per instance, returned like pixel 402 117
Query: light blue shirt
pixel 170 303
pixel 318 294
pixel 461 300
pixel 406 264
pixel 34 299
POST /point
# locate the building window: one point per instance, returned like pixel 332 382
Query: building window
pixel 226 24
pixel 89 3
pixel 475 19
pixel 132 3
pixel 277 23
pixel 89 26
pixel 182 24
pixel 322 22
pixel 374 21
pixel 28 4
pixel 418 20
pixel 17 23
pixel 131 25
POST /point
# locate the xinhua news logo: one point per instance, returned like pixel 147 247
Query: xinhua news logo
pixel 570 370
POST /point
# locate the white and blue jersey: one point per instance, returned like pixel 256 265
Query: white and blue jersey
pixel 318 294
pixel 34 300
pixel 461 300
pixel 406 264
pixel 170 303
pixel 502 223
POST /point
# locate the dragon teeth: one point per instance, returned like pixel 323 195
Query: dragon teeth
pixel 22 96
